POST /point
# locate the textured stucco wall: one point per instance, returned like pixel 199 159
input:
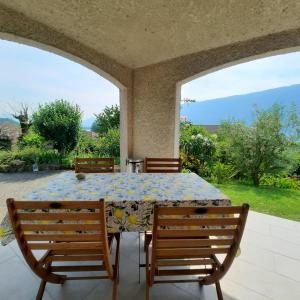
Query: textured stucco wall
pixel 149 104
pixel 155 124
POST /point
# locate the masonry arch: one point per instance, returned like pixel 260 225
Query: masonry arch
pixel 122 88
pixel 216 68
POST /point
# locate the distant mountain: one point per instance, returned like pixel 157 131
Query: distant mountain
pixel 239 107
pixel 8 122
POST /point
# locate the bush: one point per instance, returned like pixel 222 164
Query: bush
pixel 32 139
pixel 60 123
pixel 29 156
pixel 86 143
pixel 110 143
pixel 280 182
pixel 5 143
pixel 222 173
pixel 197 149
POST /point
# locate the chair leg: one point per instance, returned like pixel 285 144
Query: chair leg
pixel 147 291
pixel 114 293
pixel 219 291
pixel 41 290
pixel 116 267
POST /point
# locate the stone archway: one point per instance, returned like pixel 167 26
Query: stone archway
pixel 123 94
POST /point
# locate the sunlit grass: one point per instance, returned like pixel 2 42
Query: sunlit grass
pixel 282 203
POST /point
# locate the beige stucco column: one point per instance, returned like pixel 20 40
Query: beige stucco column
pixel 154 113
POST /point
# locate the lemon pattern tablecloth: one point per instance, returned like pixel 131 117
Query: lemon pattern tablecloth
pixel 129 198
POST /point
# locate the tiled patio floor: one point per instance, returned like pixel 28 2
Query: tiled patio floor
pixel 268 268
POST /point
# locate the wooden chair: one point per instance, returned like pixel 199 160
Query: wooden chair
pixel 66 235
pixel 94 165
pixel 162 165
pixel 187 240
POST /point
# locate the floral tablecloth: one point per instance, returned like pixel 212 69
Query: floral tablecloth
pixel 129 198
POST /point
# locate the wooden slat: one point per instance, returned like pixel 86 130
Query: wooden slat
pixel 185 262
pixel 151 159
pixel 93 171
pixel 162 171
pixel 64 237
pixel 199 210
pixel 75 252
pixel 154 165
pixel 162 165
pixel 76 216
pixel 65 246
pixel 95 166
pixel 52 204
pixel 75 258
pixel 98 159
pixel 178 272
pixel 198 222
pixel 77 268
pixel 60 227
pixel 187 253
pixel 194 233
pixel 191 243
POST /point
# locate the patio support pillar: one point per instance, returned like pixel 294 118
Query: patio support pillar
pixel 155 114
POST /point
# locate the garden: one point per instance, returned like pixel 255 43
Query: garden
pixel 258 163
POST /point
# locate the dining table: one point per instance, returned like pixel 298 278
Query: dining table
pixel 129 197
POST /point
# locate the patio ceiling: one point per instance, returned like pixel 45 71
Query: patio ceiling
pixel 137 33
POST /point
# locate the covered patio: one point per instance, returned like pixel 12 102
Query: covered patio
pixel 148 49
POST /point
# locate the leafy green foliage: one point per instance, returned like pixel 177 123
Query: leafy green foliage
pixel 280 182
pixel 222 173
pixel 31 139
pixel 5 143
pixel 59 122
pixel 197 149
pixel 108 119
pixel 110 143
pixel 258 149
pixel 30 155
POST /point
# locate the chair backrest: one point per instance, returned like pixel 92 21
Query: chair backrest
pixel 73 231
pixel 162 165
pixel 185 236
pixel 94 165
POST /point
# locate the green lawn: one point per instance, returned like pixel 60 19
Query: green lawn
pixel 270 200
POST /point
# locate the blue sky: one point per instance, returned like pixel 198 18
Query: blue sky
pixel 32 76
pixel 257 75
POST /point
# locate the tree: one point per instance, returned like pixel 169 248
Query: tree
pixel 59 122
pixel 258 149
pixel 108 119
pixel 110 143
pixel 23 118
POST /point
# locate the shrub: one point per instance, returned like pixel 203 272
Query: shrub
pixel 197 149
pixel 29 156
pixel 32 139
pixel 280 182
pixel 221 172
pixel 59 122
pixel 258 149
pixel 110 143
pixel 86 143
pixel 5 143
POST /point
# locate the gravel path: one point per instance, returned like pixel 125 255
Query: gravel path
pixel 19 184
